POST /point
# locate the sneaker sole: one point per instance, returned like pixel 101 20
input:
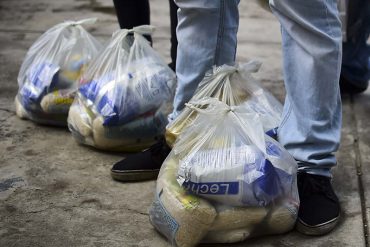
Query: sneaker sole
pixel 317 230
pixel 133 176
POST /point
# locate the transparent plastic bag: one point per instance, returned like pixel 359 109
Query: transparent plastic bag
pixel 125 92
pixel 234 162
pixel 49 74
pixel 205 162
pixel 232 85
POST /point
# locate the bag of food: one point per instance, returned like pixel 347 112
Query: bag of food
pixel 49 75
pixel 232 85
pixel 225 159
pixel 124 95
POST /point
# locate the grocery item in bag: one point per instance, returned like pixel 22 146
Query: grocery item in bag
pixel 58 101
pixel 124 95
pixel 49 73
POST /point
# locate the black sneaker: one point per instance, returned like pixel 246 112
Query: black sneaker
pixel 319 210
pixel 141 166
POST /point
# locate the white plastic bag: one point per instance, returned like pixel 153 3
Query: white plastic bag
pixel 49 74
pixel 225 158
pixel 125 92
pixel 232 85
pixel 225 196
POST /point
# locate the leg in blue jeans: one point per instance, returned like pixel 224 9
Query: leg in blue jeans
pixel 310 129
pixel 206 35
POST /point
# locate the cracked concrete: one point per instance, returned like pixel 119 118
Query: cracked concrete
pixel 54 192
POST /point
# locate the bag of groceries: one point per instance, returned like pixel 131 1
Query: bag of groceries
pixel 232 85
pixel 225 179
pixel 124 95
pixel 49 75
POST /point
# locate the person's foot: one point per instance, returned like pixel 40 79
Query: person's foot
pixel 141 166
pixel 349 87
pixel 319 210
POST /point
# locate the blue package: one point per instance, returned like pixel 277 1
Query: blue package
pixel 41 79
pixel 252 180
pixel 91 89
pixel 272 133
pixel 270 185
pixel 118 103
pixel 102 92
pixel 163 220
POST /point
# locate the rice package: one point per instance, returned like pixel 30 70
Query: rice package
pixel 226 159
pixel 232 85
pixel 49 75
pixel 124 95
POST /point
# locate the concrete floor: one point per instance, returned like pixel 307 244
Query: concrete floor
pixel 54 192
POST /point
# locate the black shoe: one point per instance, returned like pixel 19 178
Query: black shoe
pixel 319 210
pixel 348 87
pixel 141 166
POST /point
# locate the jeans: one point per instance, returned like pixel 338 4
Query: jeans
pixel 311 32
pixel 356 52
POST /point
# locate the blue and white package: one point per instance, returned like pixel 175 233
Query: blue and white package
pixel 40 78
pixel 240 176
pixel 118 103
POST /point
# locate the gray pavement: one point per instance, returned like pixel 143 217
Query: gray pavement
pixel 54 192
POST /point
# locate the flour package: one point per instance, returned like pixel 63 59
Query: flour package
pixel 240 181
pixel 124 95
pixel 232 85
pixel 49 75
